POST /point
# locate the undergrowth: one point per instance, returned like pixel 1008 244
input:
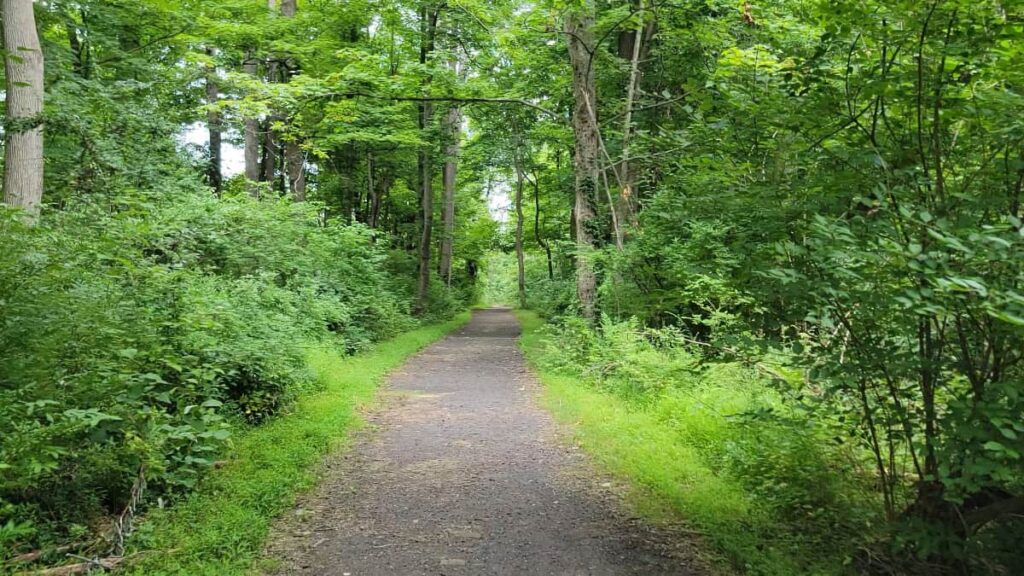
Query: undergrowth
pixel 144 338
pixel 709 443
pixel 220 528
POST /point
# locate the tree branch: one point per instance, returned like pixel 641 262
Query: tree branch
pixel 462 99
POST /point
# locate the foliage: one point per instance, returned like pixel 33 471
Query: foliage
pixel 713 445
pixel 827 190
pixel 220 529
pixel 834 187
pixel 138 339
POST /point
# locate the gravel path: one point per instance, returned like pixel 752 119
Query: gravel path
pixel 462 474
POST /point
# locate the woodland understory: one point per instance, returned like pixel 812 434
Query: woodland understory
pixel 785 237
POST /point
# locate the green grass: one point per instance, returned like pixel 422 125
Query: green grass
pixel 669 477
pixel 221 528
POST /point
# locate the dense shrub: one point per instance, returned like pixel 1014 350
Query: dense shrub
pixel 138 337
pixel 548 296
pixel 747 433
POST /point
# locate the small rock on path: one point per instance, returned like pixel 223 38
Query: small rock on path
pixel 463 475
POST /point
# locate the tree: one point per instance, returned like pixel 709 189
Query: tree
pixel 451 131
pixel 517 161
pixel 428 32
pixel 578 27
pixel 271 137
pixel 294 159
pixel 23 143
pixel 251 134
pixel 214 126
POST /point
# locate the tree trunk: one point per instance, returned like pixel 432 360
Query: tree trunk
pixel 585 130
pixel 535 182
pixel 79 50
pixel 294 162
pixel 517 160
pixel 23 142
pixel 452 127
pixel 428 29
pixel 294 158
pixel 252 137
pixel 271 153
pixel 624 203
pixel 271 139
pixel 371 193
pixel 427 211
pixel 381 187
pixel 213 124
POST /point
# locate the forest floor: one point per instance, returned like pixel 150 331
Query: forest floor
pixel 461 473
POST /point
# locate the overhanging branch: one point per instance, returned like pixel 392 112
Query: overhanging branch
pixel 462 99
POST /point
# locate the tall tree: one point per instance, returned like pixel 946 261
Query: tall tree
pixel 517 161
pixel 294 159
pixel 252 135
pixel 429 13
pixel 271 138
pixel 214 126
pixel 626 176
pixel 451 127
pixel 23 66
pixel 578 27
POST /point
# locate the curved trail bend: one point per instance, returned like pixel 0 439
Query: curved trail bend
pixel 463 474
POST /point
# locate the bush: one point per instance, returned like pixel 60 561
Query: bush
pixel 138 337
pixel 808 490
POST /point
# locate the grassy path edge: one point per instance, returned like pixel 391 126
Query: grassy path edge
pixel 220 529
pixel 631 446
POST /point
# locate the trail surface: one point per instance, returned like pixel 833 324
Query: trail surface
pixel 462 474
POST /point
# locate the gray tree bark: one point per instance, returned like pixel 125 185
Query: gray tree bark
pixel 452 125
pixel 428 30
pixel 426 168
pixel 578 27
pixel 520 178
pixel 294 158
pixel 252 137
pixel 294 162
pixel 271 139
pixel 23 146
pixel 626 176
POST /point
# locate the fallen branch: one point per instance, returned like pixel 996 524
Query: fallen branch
pixel 1008 506
pixel 80 568
pixel 37 554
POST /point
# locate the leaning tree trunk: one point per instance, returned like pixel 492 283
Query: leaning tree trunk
pixel 23 142
pixel 451 129
pixel 584 123
pixel 624 203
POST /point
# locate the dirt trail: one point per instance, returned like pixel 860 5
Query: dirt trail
pixel 463 474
